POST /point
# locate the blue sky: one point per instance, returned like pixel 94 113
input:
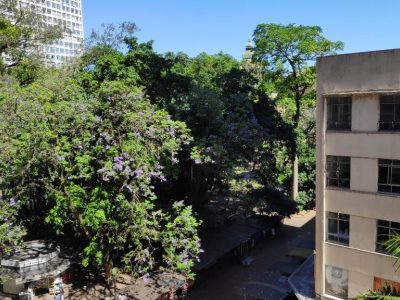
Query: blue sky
pixel 195 26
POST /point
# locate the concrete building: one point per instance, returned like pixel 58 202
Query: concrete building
pixel 67 13
pixel 358 172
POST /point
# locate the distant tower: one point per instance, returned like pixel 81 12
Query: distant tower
pixel 248 53
pixel 247 61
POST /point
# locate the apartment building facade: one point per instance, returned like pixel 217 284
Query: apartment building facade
pixel 66 13
pixel 358 172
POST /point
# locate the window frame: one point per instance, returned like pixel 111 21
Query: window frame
pixel 340 162
pixel 390 165
pixel 392 228
pixel 340 218
pixel 393 125
pixel 337 123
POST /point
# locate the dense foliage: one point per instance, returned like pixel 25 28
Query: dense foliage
pixel 96 154
pixel 89 163
pixel 288 54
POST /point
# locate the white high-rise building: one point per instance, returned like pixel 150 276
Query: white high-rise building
pixel 66 13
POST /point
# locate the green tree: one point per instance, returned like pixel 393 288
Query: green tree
pixel 393 248
pixel 89 163
pixel 288 53
pixel 214 95
pixel 11 233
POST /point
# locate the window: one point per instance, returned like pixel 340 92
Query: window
pixel 338 171
pixel 336 282
pixel 389 113
pixel 389 176
pixel 385 229
pixel 339 113
pixel 338 228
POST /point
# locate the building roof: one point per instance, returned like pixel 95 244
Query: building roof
pixel 35 260
pixel 302 280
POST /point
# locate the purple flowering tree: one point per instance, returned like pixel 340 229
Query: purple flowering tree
pixel 89 161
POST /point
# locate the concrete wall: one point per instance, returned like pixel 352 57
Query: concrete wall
pixel 362 266
pixel 365 113
pixel 364 77
pixel 359 226
pixel 359 72
pixel 364 174
pixel 368 205
pixel 368 145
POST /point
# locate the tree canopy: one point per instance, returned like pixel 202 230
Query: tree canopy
pixel 288 53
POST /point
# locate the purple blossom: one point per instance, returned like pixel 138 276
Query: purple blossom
pixel 171 131
pixel 118 163
pixel 184 256
pixel 138 173
pixel 254 120
pixel 174 160
pixel 162 178
pixel 160 167
pixel 12 201
pixel 208 149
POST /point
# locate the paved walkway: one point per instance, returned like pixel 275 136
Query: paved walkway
pixel 231 280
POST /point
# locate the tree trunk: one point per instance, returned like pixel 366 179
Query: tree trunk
pixel 108 265
pixel 295 184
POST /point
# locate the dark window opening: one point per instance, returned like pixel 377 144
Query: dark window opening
pixel 338 228
pixel 339 113
pixel 389 176
pixel 389 113
pixel 338 171
pixel 385 230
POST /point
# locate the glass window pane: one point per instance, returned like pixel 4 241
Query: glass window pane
pixel 383 175
pixel 344 231
pixel 395 176
pixel 384 188
pixel 395 225
pixel 382 234
pixel 383 223
pixel 387 112
pixel 332 226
